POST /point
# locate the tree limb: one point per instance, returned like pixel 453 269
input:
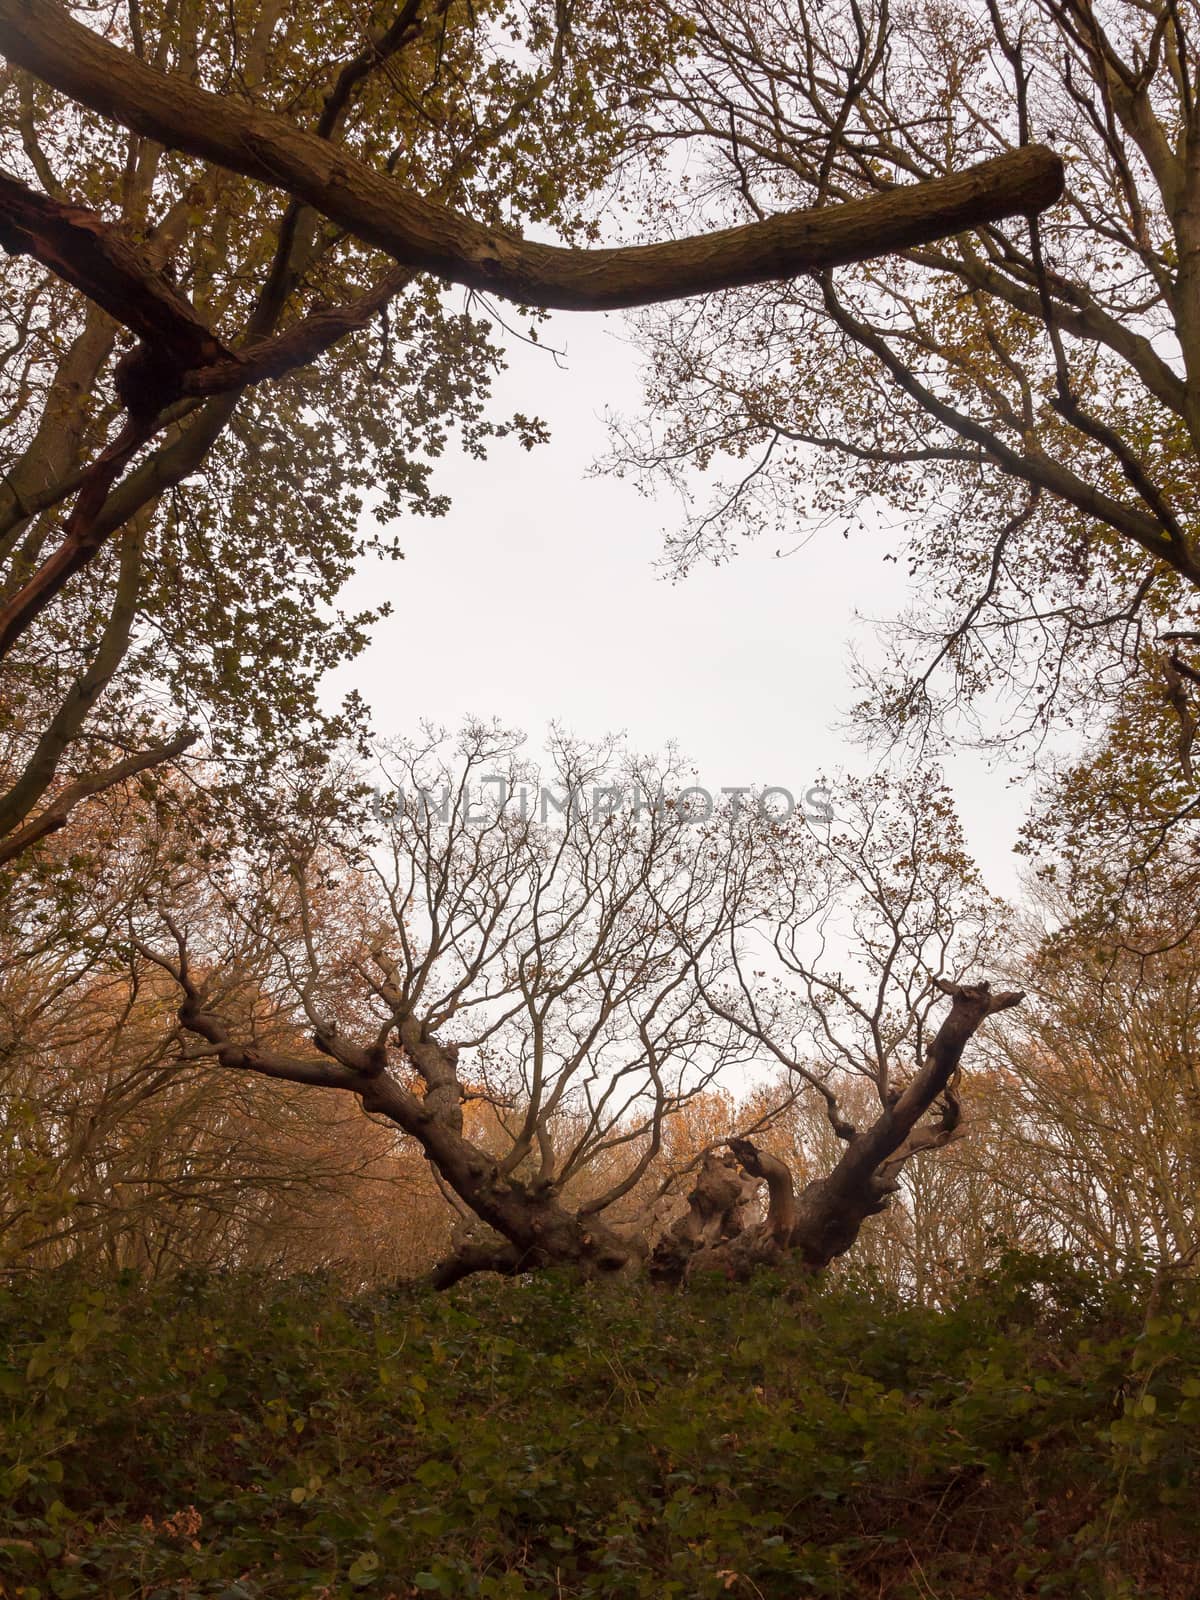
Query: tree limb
pixel 56 814
pixel 420 234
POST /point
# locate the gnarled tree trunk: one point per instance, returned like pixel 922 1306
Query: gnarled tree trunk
pixel 823 1221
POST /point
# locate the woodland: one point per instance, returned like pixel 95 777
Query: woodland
pixel 405 1191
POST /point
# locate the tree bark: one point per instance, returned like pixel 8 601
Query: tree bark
pixel 718 1212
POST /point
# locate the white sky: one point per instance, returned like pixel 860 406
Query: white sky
pixel 537 599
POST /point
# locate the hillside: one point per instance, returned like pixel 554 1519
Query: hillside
pixel 239 1439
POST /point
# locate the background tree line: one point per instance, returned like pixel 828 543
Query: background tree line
pixel 595 995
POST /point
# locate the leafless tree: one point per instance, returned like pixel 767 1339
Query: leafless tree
pixel 890 891
pixel 588 977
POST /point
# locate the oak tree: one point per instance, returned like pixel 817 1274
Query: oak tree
pixel 588 975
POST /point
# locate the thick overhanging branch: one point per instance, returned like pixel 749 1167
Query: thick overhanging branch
pixel 425 236
pixel 178 356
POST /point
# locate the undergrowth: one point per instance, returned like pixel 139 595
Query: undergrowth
pixel 237 1438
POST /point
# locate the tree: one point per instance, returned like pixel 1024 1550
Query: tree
pixel 1097 1099
pixel 230 229
pixel 207 593
pixel 1023 399
pixel 116 1149
pixel 587 977
pixel 470 952
pixel 891 886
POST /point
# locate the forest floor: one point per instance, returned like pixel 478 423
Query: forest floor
pixel 241 1438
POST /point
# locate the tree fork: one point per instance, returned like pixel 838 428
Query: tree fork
pixel 527 1229
pixel 825 1219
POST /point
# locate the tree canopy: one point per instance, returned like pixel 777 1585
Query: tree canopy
pixel 1022 400
pixel 227 327
pixel 248 303
pixel 299 1024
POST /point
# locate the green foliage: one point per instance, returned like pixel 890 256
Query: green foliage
pixel 237 1438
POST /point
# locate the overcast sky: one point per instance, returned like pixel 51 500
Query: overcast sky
pixel 537 599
